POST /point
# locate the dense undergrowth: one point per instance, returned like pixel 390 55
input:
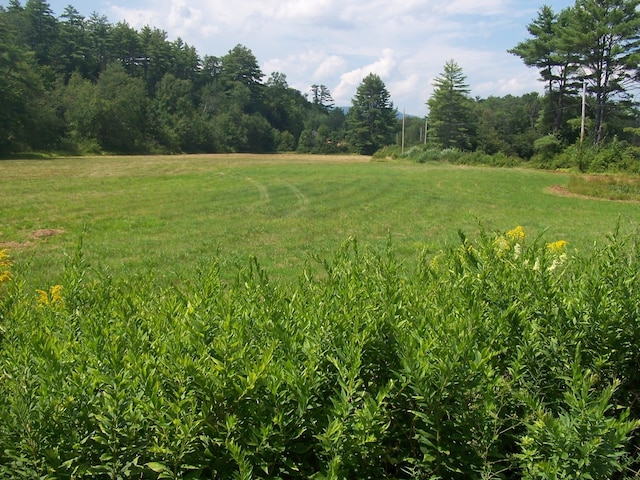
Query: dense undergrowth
pixel 504 357
pixel 606 186
pixel 617 157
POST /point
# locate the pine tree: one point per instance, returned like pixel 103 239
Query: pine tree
pixel 371 121
pixel 450 109
pixel 606 35
pixel 549 51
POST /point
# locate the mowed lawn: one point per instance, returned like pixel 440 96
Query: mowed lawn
pixel 170 214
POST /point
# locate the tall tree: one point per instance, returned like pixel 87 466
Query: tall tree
pixel 371 121
pixel 549 50
pixel 450 108
pixel 157 57
pixel 121 111
pixel 126 47
pixel 19 85
pixel 283 105
pixel 42 30
pixel 321 95
pixel 606 35
pixel 240 66
pixel 74 48
pixel 99 31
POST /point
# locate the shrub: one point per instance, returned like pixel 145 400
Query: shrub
pixel 390 151
pixel 545 149
pixel 502 357
pixel 285 142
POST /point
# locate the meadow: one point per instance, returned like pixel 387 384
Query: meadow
pixel 286 317
pixel 170 214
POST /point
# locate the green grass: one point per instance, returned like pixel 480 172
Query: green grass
pixel 609 187
pixel 169 214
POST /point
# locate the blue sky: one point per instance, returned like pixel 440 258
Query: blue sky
pixel 339 42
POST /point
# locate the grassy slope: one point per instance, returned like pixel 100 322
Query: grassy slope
pixel 170 213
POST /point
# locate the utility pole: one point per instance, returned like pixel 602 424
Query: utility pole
pixel 426 120
pixel 582 124
pixel 584 111
pixel 403 131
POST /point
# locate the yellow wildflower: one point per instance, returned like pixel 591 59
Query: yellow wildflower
pixel 43 297
pixel 5 274
pixel 557 247
pixel 56 294
pixel 53 297
pixel 517 234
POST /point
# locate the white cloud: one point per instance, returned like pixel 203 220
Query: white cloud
pixel 329 67
pixel 479 7
pixel 338 42
pixel 384 66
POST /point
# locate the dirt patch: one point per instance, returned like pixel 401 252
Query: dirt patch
pixel 34 237
pixel 15 245
pixel 563 191
pixel 46 232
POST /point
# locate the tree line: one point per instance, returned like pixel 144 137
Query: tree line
pixel 84 85
pixel 587 56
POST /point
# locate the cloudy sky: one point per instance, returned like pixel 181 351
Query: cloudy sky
pixel 338 42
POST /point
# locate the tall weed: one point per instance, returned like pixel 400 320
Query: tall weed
pixel 502 357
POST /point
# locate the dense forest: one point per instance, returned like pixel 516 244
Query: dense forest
pixel 82 85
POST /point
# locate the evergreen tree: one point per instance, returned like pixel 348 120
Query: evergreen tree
pixel 240 67
pixel 606 36
pixel 321 95
pixel 19 86
pixel 549 50
pixel 450 109
pixel 596 42
pixel 121 111
pixel 371 122
pixel 42 30
pixel 73 48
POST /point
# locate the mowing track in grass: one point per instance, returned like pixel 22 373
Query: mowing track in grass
pixel 170 213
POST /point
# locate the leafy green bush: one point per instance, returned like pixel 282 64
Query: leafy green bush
pixel 390 151
pixel 614 157
pixel 545 149
pixel 503 357
pixel 424 153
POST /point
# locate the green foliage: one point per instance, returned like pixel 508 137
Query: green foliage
pixel 389 151
pixel 546 149
pixel 503 357
pixel 614 157
pixel 423 154
pixel 508 124
pixel 592 43
pixel 582 440
pixel 605 186
pixel 60 75
pixel 450 109
pixel 371 120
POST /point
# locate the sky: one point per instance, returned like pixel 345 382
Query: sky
pixel 337 43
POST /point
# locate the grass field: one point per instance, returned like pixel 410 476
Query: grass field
pixel 169 214
pixel 505 357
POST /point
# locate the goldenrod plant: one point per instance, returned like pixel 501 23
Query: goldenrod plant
pixel 503 357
